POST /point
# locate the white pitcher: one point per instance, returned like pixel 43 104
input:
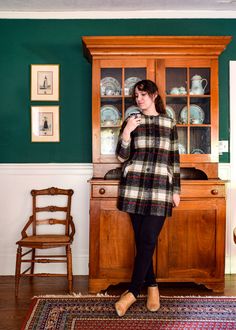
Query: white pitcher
pixel 197 85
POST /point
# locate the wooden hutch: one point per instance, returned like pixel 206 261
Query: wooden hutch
pixel 191 247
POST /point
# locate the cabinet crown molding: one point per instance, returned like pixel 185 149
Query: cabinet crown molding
pixel 99 46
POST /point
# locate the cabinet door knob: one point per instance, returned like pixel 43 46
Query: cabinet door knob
pixel 214 192
pixel 102 191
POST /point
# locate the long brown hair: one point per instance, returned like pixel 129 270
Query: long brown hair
pixel 151 88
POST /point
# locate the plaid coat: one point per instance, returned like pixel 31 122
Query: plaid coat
pixel 150 172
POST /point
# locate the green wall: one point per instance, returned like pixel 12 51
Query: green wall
pixel 26 42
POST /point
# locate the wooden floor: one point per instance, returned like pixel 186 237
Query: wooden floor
pixel 13 311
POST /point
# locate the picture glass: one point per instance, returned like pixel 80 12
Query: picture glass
pixel 45 82
pixel 45 124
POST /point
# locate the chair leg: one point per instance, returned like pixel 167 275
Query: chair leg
pixel 69 269
pixel 32 263
pixel 18 270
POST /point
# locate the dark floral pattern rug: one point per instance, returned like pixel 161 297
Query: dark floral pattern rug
pixel 97 312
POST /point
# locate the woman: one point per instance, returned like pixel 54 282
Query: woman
pixel 149 186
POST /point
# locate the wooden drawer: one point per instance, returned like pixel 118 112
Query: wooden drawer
pixel 202 190
pixel 104 191
pixel 189 189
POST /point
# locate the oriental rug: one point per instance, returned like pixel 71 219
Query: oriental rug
pixel 97 312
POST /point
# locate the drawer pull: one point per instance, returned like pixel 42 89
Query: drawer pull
pixel 214 192
pixel 102 191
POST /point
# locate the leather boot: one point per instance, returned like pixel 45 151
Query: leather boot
pixel 124 303
pixel 153 299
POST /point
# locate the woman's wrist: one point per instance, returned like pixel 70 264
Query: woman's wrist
pixel 126 136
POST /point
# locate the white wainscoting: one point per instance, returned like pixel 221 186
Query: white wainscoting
pixel 16 182
pixel 225 174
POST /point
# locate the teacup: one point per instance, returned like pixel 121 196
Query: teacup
pixel 182 90
pixel 194 121
pixel 126 90
pixel 109 91
pixel 174 90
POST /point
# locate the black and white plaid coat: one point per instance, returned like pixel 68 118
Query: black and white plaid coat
pixel 151 172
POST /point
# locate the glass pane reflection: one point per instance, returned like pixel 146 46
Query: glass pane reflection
pixel 200 140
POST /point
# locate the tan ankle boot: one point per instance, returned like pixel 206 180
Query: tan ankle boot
pixel 153 299
pixel 124 303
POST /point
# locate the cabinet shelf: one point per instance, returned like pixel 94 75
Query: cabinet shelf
pixel 193 125
pixel 110 126
pixel 187 95
pixel 111 96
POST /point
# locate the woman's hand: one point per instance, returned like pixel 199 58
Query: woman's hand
pixel 132 123
pixel 176 200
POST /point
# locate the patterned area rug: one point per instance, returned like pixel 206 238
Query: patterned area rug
pixel 97 312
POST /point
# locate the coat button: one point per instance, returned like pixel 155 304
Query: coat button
pixel 148 169
pixel 151 117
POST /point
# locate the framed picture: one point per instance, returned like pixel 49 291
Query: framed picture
pixel 45 124
pixel 44 82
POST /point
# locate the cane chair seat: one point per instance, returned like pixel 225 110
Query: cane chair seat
pixel 52 237
pixel 44 239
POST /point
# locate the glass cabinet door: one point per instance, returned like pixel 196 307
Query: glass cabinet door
pixel 188 101
pixel 116 104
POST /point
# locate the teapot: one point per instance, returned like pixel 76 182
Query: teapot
pixel 197 85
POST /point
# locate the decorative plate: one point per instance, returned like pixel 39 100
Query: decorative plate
pixel 130 110
pixel 110 86
pixel 196 115
pixel 197 151
pixel 182 149
pixel 129 84
pixel 170 112
pixel 109 139
pixel 109 114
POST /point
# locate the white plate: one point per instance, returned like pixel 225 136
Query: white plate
pixel 197 151
pixel 170 112
pixel 182 149
pixel 110 86
pixel 130 110
pixel 109 114
pixel 196 115
pixel 129 84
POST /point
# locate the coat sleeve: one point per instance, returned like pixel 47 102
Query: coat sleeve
pixel 123 148
pixel 174 155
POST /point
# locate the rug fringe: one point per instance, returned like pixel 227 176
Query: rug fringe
pixel 76 295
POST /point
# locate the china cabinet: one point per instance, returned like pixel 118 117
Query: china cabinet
pixel 191 245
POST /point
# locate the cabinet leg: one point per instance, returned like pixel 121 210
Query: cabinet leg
pixel 215 287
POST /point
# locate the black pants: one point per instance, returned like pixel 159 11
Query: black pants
pixel 146 230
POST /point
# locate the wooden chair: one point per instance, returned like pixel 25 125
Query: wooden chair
pixel 54 239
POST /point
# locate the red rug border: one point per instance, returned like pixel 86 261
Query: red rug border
pixel 35 299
